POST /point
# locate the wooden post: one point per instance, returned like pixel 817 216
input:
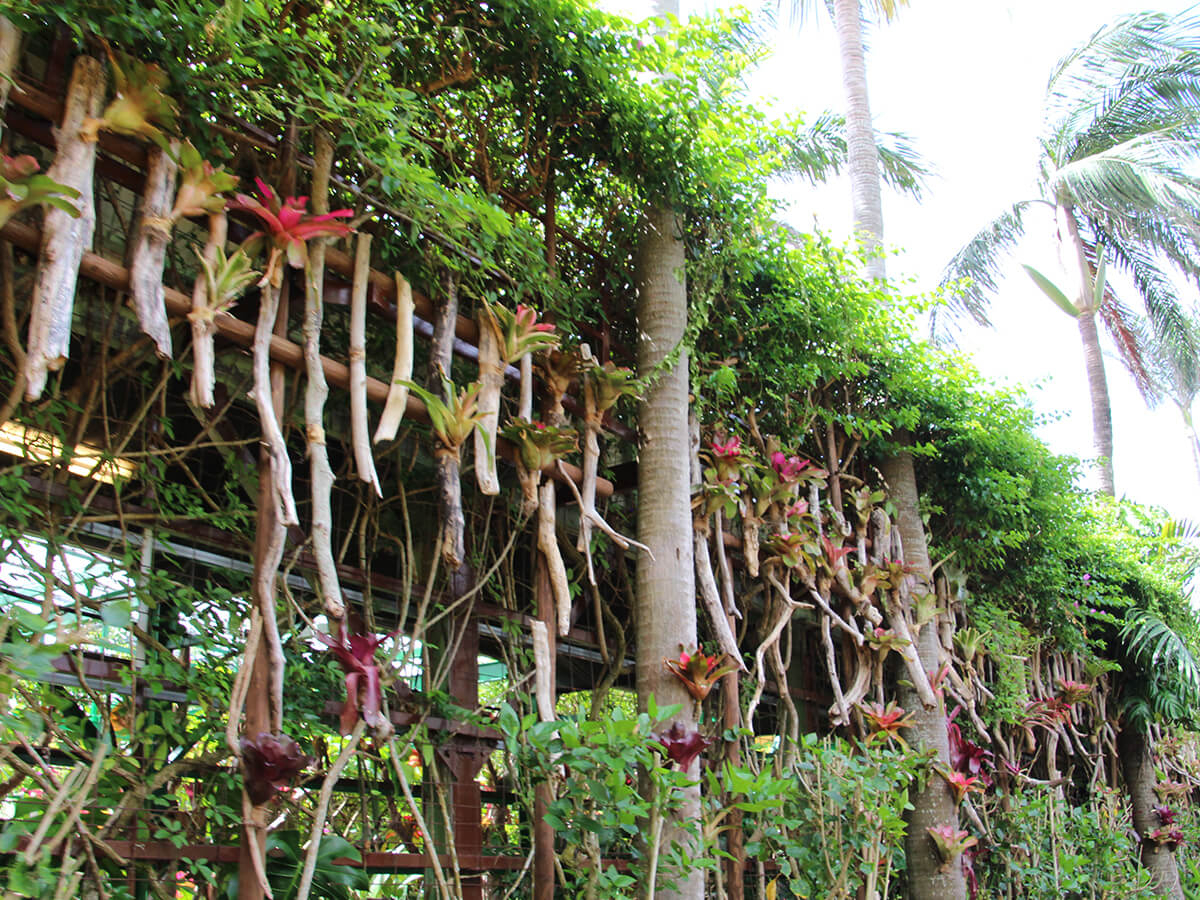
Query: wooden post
pixel 735 868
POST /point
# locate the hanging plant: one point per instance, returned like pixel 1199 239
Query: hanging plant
pixel 504 338
pixel 363 686
pixel 140 105
pixel 452 420
pixel 539 446
pixel 21 187
pixel 270 763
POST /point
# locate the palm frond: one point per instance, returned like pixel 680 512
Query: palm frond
pixel 972 275
pixel 1138 74
pixel 819 152
pixel 1162 652
pixel 1145 173
pixel 1128 334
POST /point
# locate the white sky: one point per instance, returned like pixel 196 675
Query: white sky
pixel 965 80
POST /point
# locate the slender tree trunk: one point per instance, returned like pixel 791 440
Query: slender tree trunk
pixel 665 607
pixel 862 154
pixel 1137 767
pixel 934 806
pixel 1102 429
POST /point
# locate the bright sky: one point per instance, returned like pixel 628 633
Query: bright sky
pixel 965 80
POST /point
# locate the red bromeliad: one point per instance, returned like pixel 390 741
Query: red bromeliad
pixel 357 658
pixel 886 721
pixel 699 672
pixel 681 745
pixel 287 226
pixel 270 761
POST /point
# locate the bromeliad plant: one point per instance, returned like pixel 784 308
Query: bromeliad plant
pixel 504 338
pixel 539 446
pixel 364 692
pixel 202 185
pixel 950 843
pixel 286 228
pixel 140 105
pixel 886 722
pixel 699 673
pixel 270 763
pixel 22 187
pixel 452 420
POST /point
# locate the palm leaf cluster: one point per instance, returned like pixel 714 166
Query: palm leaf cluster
pixel 1120 149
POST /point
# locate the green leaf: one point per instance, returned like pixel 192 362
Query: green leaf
pixel 1051 290
pixel 117 613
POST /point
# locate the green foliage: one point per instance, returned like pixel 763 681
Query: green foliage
pixel 1044 849
pixel 834 825
pixel 285 865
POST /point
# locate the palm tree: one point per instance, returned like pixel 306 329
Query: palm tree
pixel 863 155
pixel 1161 684
pixel 1120 134
pixel 665 606
pixel 932 806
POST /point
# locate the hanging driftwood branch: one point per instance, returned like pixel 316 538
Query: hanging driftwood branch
pixel 359 427
pixel 543 688
pixel 491 380
pixel 547 539
pixel 709 593
pixel 150 247
pixel 525 406
pixel 202 317
pixel 317 391
pixel 402 367
pixel 10 45
pixel 64 237
pixel 281 464
pixel 724 567
pixel 322 811
pixel 448 461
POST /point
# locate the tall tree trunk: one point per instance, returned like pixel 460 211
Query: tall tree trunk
pixel 862 154
pixel 1137 767
pixel 934 806
pixel 1102 430
pixel 665 607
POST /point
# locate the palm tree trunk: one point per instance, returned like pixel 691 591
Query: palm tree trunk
pixel 1137 767
pixel 933 806
pixel 863 156
pixel 1102 430
pixel 665 607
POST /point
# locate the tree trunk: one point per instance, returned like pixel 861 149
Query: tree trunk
pixel 1137 767
pixel 862 154
pixel 934 806
pixel 665 607
pixel 1102 430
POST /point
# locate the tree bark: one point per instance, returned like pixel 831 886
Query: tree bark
pixel 934 806
pixel 665 607
pixel 1137 768
pixel 862 153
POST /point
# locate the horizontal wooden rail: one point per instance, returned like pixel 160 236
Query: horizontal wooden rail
pixel 104 271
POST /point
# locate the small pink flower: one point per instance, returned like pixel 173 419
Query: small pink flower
pixel 788 468
pixel 287 225
pixel 799 508
pixel 729 449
